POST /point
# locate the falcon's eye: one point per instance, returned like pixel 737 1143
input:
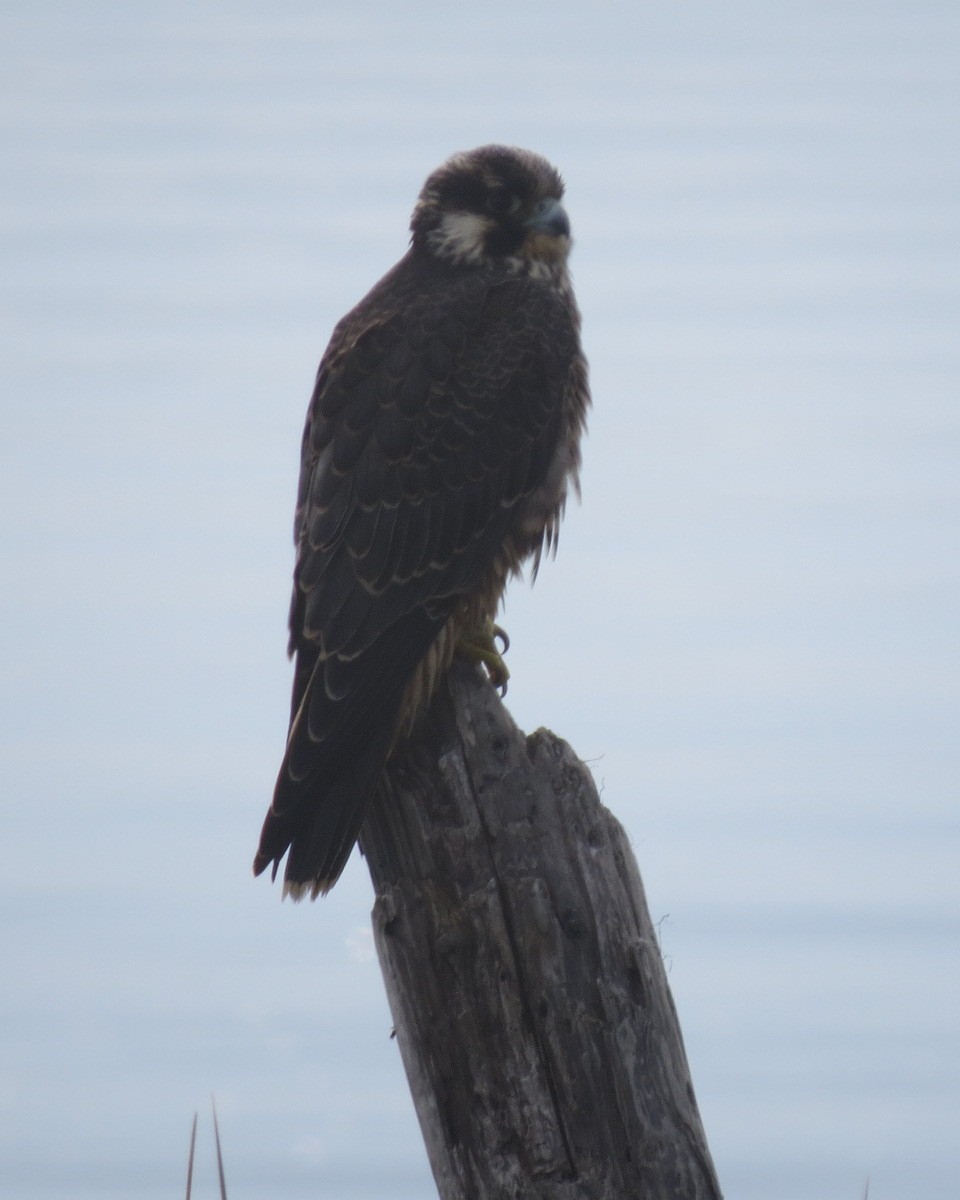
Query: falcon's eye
pixel 543 205
pixel 502 203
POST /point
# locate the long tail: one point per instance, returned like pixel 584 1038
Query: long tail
pixel 321 824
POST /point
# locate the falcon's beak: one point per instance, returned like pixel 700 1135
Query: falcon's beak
pixel 550 218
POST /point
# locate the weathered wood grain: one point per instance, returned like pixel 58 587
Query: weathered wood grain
pixel 523 973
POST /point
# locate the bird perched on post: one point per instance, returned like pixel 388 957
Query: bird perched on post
pixel 441 440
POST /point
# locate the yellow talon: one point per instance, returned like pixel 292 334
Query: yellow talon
pixel 480 646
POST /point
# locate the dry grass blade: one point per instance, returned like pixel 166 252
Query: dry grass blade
pixel 216 1135
pixel 193 1147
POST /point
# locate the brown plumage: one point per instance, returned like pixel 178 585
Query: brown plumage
pixel 441 439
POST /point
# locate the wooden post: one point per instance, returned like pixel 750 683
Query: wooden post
pixel 523 973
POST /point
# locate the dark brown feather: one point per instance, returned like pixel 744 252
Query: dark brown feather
pixel 441 434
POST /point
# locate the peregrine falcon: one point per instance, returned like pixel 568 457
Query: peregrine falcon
pixel 441 440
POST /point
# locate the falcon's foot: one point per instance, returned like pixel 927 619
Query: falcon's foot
pixel 480 646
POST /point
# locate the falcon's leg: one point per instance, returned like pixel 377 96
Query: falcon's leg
pixel 480 646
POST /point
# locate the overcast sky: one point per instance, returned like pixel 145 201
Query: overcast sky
pixel 750 632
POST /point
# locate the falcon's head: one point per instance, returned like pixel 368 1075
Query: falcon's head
pixel 493 203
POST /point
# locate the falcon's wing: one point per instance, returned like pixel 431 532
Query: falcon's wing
pixel 432 420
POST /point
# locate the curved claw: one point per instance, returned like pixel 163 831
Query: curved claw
pixel 480 646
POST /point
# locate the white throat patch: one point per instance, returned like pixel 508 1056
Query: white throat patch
pixel 460 236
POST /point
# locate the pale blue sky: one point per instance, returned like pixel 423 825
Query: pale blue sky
pixel 750 631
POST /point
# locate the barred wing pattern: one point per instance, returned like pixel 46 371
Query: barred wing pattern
pixel 436 415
